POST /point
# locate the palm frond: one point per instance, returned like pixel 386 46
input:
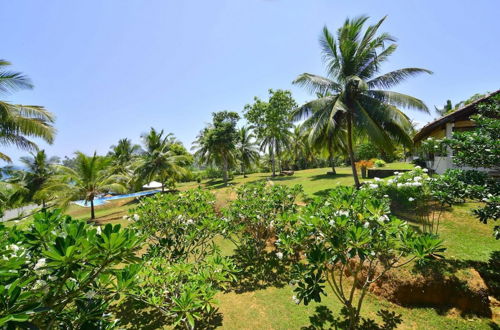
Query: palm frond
pixel 398 99
pixel 396 77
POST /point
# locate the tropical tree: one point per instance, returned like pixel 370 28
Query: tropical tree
pixel 271 122
pixel 38 169
pixel 354 97
pixel 216 143
pixel 86 181
pixel 160 161
pixel 11 195
pixel 124 152
pixel 447 108
pixel 247 152
pixel 20 123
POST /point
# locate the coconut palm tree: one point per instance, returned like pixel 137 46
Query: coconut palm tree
pixel 247 151
pixel 38 169
pixel 123 152
pixel 354 96
pixel 20 123
pixel 216 143
pixel 159 161
pixel 276 143
pixel 86 181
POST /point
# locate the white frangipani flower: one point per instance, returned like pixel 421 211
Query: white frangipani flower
pixel 40 263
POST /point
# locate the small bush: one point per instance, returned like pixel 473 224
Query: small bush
pixel 379 163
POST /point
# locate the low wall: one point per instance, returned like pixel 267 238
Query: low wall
pixel 382 172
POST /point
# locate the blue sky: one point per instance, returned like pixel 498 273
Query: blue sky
pixel 112 69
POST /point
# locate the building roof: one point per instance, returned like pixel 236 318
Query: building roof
pixel 465 111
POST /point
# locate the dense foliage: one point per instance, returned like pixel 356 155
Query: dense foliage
pixel 479 147
pixel 63 273
pixel 350 234
pixel 272 122
pixel 184 269
pixel 216 143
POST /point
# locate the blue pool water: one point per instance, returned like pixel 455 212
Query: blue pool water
pixel 103 200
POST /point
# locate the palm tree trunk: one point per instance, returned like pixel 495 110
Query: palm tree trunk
pixel 92 212
pixel 332 162
pixel 243 170
pixel 350 151
pixel 224 170
pixel 273 163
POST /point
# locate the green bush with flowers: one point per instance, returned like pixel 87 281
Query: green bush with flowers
pixel 254 220
pixel 254 216
pixel 183 268
pixel 350 240
pixel 64 273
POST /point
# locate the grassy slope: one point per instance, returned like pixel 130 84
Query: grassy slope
pixel 464 236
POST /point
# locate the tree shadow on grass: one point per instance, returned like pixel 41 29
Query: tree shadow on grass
pixel 137 315
pixel 259 270
pixel 489 271
pixel 330 176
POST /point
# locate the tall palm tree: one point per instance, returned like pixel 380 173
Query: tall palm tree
pixel 297 145
pixel 276 143
pixel 38 169
pixel 216 143
pixel 247 151
pixel 356 97
pixel 86 181
pixel 124 152
pixel 20 123
pixel 159 161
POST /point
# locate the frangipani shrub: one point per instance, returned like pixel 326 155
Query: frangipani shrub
pixel 254 220
pixel 183 268
pixel 64 273
pixel 350 240
pixel 424 197
pixel 419 196
pixel 253 216
pixel 462 185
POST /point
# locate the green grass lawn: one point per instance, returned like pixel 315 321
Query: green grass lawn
pixel 465 238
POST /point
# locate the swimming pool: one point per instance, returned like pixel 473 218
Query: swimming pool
pixel 103 200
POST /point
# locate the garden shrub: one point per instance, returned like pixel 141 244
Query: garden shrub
pixel 64 273
pixel 350 233
pixel 416 195
pixel 253 216
pixel 184 269
pixel 379 163
pixel 480 147
pixel 255 219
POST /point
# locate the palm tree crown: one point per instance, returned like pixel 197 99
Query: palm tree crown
pixel 123 152
pixel 247 150
pixel 216 143
pixel 159 161
pixel 38 170
pixel 19 123
pixel 352 95
pixel 86 181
